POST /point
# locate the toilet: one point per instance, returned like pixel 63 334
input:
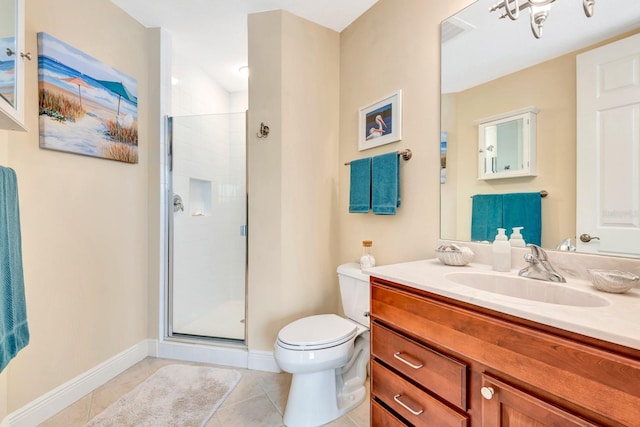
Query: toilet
pixel 327 356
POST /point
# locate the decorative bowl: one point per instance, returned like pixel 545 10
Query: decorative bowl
pixel 454 255
pixel 614 281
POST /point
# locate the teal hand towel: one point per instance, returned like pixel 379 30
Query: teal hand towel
pixel 385 184
pixel 14 332
pixel 360 189
pixel 523 210
pixel 486 216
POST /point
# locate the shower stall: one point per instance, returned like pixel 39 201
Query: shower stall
pixel 207 227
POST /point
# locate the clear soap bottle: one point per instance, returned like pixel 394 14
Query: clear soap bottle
pixel 367 260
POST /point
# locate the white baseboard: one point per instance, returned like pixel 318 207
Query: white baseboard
pixel 68 393
pixel 59 398
pixel 262 361
pixel 217 355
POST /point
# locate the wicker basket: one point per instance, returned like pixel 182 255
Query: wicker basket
pixel 613 281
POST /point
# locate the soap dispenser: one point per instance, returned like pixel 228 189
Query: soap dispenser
pixel 501 252
pixel 516 239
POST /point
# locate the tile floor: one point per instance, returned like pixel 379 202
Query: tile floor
pixel 258 400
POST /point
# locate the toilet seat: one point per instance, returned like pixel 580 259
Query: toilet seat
pixel 317 332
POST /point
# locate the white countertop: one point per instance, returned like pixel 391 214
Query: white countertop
pixel 618 322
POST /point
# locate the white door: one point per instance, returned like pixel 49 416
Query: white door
pixel 608 148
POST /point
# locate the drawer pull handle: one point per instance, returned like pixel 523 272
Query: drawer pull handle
pixel 487 392
pixel 405 361
pixel 397 399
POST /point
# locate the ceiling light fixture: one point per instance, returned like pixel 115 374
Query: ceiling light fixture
pixel 539 10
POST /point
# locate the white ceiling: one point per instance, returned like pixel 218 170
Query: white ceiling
pixel 213 33
pixel 496 47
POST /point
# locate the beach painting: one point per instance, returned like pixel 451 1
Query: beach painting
pixel 85 106
pixel 8 69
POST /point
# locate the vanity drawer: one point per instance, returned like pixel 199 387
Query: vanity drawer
pixel 415 405
pixel 380 417
pixel 441 374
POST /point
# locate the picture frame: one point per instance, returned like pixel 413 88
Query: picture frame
pixel 380 123
pixel 85 106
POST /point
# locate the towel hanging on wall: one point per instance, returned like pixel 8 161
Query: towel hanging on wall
pixel 490 211
pixel 385 184
pixel 14 332
pixel 360 186
pixel 486 216
pixel 523 210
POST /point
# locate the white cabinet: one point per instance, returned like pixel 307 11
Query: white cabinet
pixel 12 64
pixel 507 145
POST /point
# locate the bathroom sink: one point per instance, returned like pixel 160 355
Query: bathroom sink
pixel 528 289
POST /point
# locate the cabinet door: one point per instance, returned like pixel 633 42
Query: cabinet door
pixel 380 417
pixel 506 406
pixel 12 57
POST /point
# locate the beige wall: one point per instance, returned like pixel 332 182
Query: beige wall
pixel 84 220
pixel 292 174
pixel 395 45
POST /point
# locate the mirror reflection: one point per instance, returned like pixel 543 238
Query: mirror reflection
pixel 491 66
pixel 7 51
pixel 506 145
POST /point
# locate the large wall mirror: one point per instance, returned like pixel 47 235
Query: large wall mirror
pixel 490 66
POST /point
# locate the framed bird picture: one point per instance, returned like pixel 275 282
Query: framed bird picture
pixel 381 122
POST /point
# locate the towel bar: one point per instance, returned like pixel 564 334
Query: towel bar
pixel 543 193
pixel 406 155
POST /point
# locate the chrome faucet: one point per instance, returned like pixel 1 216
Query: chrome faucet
pixel 540 268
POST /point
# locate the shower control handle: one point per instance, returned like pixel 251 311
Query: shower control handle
pixel 177 203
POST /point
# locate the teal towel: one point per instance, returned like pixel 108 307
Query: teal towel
pixel 360 190
pixel 14 332
pixel 385 184
pixel 486 216
pixel 523 210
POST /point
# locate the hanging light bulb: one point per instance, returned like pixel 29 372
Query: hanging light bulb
pixel 538 10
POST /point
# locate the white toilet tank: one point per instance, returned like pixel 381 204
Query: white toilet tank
pixel 354 292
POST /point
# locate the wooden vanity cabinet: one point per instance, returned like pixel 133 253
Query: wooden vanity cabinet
pixel 436 361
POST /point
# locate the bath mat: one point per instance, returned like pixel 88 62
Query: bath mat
pixel 176 395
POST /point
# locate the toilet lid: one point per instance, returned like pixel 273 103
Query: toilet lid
pixel 317 331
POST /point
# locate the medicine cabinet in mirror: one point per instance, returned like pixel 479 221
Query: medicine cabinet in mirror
pixel 507 145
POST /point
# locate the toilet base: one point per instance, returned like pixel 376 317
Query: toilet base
pixel 313 402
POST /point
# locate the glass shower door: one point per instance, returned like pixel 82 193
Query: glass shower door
pixel 208 244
